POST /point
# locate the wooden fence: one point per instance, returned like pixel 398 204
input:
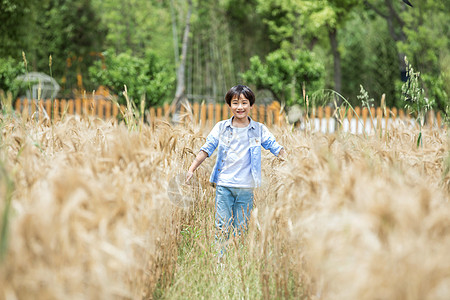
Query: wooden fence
pixel 323 119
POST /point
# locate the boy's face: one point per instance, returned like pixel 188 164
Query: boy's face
pixel 241 107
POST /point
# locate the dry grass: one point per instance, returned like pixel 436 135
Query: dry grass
pixel 90 215
pixel 345 218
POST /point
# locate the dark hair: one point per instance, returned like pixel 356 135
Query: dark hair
pixel 239 90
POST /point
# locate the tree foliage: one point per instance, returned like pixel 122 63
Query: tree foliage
pixel 9 70
pixel 16 19
pixel 284 76
pixel 357 42
pixel 148 76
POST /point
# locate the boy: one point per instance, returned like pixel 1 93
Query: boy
pixel 238 167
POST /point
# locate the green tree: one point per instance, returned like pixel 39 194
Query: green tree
pixel 137 25
pixel 147 76
pixel 70 31
pixel 301 22
pixel 16 20
pixel 369 58
pixel 285 76
pixel 421 34
pixel 427 46
pixel 9 69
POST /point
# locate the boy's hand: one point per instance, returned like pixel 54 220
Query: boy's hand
pixel 188 177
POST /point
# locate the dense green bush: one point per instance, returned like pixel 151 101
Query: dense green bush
pixel 147 76
pixel 284 74
pixel 9 70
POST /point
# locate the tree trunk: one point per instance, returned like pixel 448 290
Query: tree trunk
pixel 332 33
pixel 180 94
pixel 390 18
pixel 174 34
pixel 395 26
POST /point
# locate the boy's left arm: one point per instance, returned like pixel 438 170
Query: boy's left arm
pixel 269 143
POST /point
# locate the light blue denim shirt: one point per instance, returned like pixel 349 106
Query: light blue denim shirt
pixel 258 136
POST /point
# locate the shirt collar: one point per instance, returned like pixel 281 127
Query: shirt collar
pixel 229 122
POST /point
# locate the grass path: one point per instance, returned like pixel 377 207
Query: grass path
pixel 200 275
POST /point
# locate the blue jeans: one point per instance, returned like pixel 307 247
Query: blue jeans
pixel 233 209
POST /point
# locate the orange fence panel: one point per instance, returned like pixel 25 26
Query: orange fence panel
pixel 439 119
pixel 262 113
pixel 56 109
pixel 196 109
pixel 203 114
pixel 108 110
pixel 115 110
pixel 218 113
pixel 152 114
pixel 70 107
pixel 225 112
pixel 209 114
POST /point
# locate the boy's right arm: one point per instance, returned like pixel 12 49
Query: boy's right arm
pixel 212 140
pixel 201 156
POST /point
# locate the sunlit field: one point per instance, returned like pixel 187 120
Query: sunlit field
pixel 85 214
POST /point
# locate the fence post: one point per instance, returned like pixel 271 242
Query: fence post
pixel 276 117
pixel 320 116
pixel 152 115
pixel 159 112
pixel 379 117
pixel 358 118
pixel 387 113
pixel 25 109
pixel 312 118
pixel 85 107
pixel 401 114
pixel 115 110
pixel 41 109
pixel 262 113
pixel 92 106
pixel 349 119
pixel 32 107
pixel 394 115
pixel 365 112
pixel 327 118
pixel 101 105
pixel 48 108
pixel 71 105
pixel 166 110
pixel 210 114
pixel 56 110
pixel 18 105
pixel 340 123
pixel 203 114
pixel 63 103
pixel 78 106
pixel 196 109
pixel 269 116
pixel 107 109
pixel 225 111
pixel 218 112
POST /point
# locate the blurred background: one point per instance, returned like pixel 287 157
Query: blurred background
pixel 277 47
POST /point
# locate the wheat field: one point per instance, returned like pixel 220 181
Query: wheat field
pixel 86 215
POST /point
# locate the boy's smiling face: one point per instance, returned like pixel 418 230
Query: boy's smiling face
pixel 240 107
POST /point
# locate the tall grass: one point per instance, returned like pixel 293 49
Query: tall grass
pixel 343 218
pixel 90 216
